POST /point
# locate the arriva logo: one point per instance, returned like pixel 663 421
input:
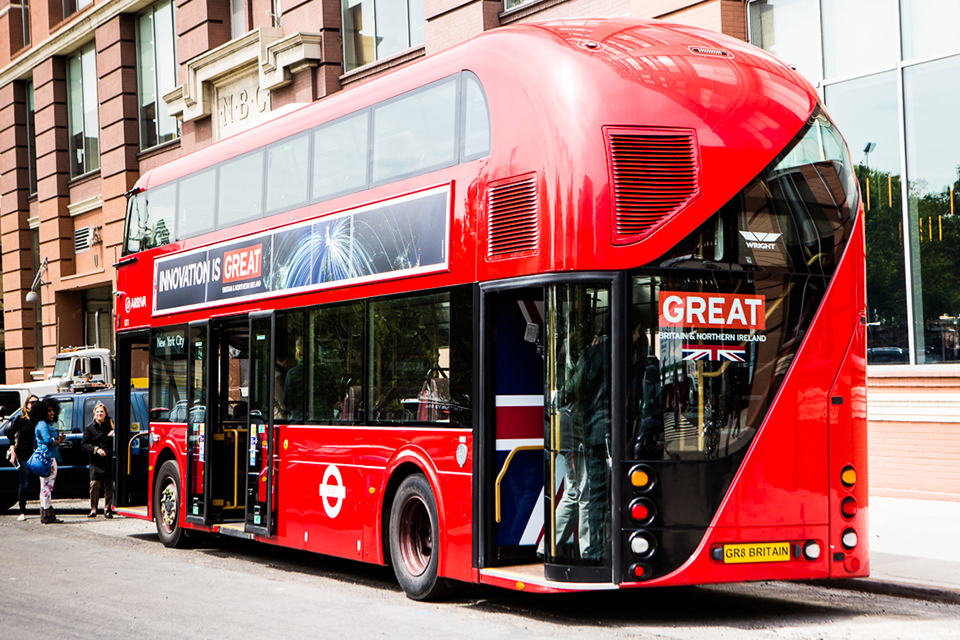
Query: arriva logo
pixel 135 303
pixel 760 240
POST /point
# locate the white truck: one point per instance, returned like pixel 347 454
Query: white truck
pixel 74 369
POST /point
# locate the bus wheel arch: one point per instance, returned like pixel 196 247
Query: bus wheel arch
pixel 167 502
pixel 411 532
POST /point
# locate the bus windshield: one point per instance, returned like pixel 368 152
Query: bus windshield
pixel 712 335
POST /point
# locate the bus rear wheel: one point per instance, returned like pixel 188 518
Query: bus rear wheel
pixel 414 545
pixel 166 505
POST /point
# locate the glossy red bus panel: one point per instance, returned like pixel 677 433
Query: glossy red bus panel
pixel 589 322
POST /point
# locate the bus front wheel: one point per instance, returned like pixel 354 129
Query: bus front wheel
pixel 414 545
pixel 166 505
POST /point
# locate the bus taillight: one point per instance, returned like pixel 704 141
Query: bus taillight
pixel 848 507
pixel 642 510
pixel 848 476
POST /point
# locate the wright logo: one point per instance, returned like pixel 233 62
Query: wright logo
pixel 756 240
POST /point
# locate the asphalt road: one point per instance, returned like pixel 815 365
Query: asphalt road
pixel 109 579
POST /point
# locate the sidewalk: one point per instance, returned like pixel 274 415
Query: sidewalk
pixel 914 550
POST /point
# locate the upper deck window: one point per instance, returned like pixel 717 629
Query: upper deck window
pixel 150 218
pixel 241 189
pixel 420 131
pixel 196 207
pixel 476 120
pixel 340 156
pixel 288 178
pixel 415 133
pixel 377 29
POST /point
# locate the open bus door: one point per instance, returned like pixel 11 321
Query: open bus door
pixel 197 494
pixel 218 422
pixel 548 441
pixel 132 445
pixel 258 516
pixel 512 434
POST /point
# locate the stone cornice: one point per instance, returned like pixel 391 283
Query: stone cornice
pixel 276 59
pixel 288 56
pixel 193 99
pixel 77 32
pixel 85 206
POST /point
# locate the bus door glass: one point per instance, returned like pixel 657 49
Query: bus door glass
pixel 132 432
pixel 516 373
pixel 197 494
pixel 259 441
pixel 578 415
pixel 227 418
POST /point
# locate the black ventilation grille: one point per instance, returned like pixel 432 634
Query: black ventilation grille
pixel 654 175
pixel 512 220
pixel 711 52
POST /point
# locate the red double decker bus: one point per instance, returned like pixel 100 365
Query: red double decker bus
pixel 573 305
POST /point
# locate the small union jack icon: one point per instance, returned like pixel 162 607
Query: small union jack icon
pixel 714 352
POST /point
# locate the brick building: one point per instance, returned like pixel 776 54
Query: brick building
pixel 93 92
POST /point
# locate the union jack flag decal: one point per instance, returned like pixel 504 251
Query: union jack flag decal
pixel 714 352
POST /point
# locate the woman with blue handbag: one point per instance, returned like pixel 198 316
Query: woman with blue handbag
pixel 44 415
pixel 20 431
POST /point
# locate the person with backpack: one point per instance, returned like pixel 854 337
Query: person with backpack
pixel 44 414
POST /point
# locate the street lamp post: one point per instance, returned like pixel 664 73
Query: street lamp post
pixel 33 297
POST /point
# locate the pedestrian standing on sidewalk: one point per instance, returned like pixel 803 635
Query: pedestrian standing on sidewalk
pixel 20 433
pixel 44 415
pixel 98 442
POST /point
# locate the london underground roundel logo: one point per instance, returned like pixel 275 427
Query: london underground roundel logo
pixel 332 491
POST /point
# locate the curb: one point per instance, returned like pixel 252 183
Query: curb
pixel 943 595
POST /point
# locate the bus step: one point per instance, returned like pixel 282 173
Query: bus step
pixel 234 531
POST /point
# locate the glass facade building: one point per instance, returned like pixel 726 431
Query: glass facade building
pixel 888 72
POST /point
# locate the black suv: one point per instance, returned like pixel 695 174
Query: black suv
pixel 73 475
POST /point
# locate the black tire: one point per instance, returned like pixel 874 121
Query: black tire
pixel 414 547
pixel 166 505
pixel 7 503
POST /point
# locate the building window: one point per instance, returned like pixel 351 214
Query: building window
pixel 31 140
pixel 157 69
pixel 25 21
pixel 933 183
pixel 238 18
pixel 84 121
pixel 888 75
pixel 378 29
pixel 70 7
pixel 867 109
pixel 786 28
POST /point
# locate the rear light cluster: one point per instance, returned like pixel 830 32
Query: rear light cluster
pixel 848 509
pixel 642 511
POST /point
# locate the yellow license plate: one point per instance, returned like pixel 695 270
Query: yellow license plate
pixel 758 552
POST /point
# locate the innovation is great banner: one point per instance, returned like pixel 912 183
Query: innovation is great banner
pixel 399 237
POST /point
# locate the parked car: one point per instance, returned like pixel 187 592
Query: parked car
pixel 73 476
